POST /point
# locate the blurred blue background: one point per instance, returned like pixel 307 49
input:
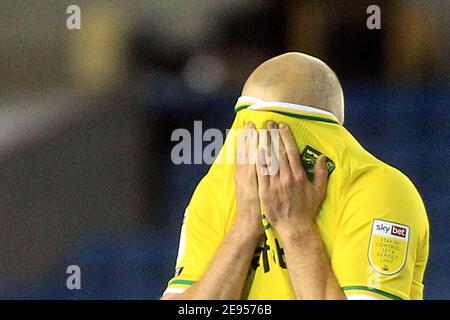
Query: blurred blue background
pixel 86 118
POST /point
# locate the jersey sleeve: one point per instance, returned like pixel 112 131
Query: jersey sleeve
pixel 381 244
pixel 207 218
pixel 204 227
pixel 201 234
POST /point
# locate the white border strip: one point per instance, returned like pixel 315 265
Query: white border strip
pixel 174 291
pixel 258 104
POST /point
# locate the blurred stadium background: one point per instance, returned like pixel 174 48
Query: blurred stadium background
pixel 86 118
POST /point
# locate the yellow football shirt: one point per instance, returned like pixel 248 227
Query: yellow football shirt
pixel 373 221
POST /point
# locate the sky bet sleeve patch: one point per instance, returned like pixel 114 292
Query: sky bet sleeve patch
pixel 388 246
pixel 309 157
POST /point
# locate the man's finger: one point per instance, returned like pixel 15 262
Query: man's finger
pixel 270 125
pixel 321 176
pixel 285 169
pixel 252 143
pixel 261 169
pixel 292 152
pixel 273 165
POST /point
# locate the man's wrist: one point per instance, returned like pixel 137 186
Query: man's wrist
pixel 301 233
pixel 245 228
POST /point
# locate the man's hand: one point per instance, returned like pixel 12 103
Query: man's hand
pixel 291 204
pixel 248 215
pixel 290 201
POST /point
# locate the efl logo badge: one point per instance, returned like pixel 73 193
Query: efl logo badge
pixel 388 247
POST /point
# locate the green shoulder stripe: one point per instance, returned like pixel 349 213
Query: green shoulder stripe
pixel 378 291
pixel 181 281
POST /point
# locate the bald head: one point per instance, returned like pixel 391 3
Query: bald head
pixel 300 79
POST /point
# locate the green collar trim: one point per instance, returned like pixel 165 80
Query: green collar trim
pixel 294 115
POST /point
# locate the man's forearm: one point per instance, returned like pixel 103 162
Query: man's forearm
pixel 226 274
pixel 309 267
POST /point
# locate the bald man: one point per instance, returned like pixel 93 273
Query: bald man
pixel 304 212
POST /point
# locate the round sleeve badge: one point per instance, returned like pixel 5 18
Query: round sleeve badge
pixel 388 247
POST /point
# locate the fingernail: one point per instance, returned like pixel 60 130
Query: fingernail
pixel 270 124
pixel 282 126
